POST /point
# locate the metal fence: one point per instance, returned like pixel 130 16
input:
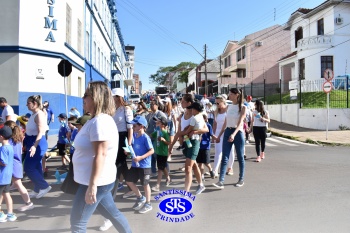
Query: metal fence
pixel 309 93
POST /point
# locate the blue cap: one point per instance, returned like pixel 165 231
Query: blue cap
pixel 27 115
pixel 139 120
pixel 62 115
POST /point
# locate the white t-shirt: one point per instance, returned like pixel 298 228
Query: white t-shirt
pixel 121 116
pixel 8 111
pixel 204 101
pixel 233 115
pixel 99 128
pixel 198 122
pixel 257 117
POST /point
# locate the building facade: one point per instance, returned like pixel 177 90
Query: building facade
pixel 37 35
pixel 319 40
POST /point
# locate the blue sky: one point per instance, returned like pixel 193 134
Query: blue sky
pixel 156 27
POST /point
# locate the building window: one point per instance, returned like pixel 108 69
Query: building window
pixel 97 66
pixel 80 86
pixel 227 61
pixel 320 27
pixel 326 63
pixel 301 69
pixel 241 73
pixel 240 53
pixel 87 46
pixel 68 24
pixel 298 34
pixel 94 54
pixel 79 42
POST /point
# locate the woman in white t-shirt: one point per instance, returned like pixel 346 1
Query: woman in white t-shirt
pixel 233 134
pixel 94 159
pixel 259 123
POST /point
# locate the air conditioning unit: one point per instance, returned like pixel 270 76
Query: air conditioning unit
pixel 258 43
pixel 339 20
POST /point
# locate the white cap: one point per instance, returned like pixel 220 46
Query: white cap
pixel 224 95
pixel 118 92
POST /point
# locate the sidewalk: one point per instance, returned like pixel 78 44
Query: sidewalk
pixel 338 137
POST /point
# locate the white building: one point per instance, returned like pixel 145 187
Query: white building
pixel 37 35
pixel 320 39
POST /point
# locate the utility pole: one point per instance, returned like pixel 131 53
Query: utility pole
pixel 205 64
pixel 220 76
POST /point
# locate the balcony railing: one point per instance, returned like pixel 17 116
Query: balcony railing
pixel 312 42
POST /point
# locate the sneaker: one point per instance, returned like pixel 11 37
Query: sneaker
pixel 48 157
pixel 168 182
pixel 169 159
pixel 11 217
pixel 240 183
pixel 129 194
pixel 180 148
pixel 155 188
pixel 219 185
pixel 146 207
pixel 106 225
pixel 3 217
pixel 139 203
pixel 262 155
pixel 154 174
pixel 120 186
pixel 206 173
pixel 229 172
pixel 200 189
pixel 212 174
pixel 33 194
pixel 247 142
pixel 258 159
pixel 28 206
pixel 43 192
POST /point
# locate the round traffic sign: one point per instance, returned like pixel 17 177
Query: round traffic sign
pixel 327 87
pixel 328 74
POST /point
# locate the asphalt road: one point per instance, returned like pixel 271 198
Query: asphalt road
pixel 297 188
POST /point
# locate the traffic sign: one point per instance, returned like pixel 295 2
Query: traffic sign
pixel 328 74
pixel 327 87
pixel 64 68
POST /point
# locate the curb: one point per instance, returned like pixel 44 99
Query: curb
pixel 308 140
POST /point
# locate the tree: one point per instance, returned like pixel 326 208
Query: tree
pixel 183 77
pixel 160 77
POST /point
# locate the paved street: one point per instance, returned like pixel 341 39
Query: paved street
pixel 297 188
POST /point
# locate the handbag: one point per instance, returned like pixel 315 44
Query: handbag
pixel 69 185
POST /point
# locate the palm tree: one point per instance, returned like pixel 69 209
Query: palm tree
pixel 183 78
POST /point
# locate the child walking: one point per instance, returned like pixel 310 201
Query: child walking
pixel 141 165
pixel 203 157
pixel 6 169
pixel 17 173
pixel 162 139
pixel 63 140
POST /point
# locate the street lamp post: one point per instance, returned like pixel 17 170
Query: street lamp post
pixel 205 64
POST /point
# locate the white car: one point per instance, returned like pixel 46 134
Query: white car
pixel 134 98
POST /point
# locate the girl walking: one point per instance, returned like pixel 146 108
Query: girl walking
pixel 260 120
pixel 233 134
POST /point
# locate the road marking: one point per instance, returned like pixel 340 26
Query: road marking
pixel 298 142
pixel 281 142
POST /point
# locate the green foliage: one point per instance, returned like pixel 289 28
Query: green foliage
pixel 160 77
pixel 337 99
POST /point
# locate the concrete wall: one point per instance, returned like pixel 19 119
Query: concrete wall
pixel 309 118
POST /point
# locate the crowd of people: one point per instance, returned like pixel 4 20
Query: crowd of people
pixel 111 131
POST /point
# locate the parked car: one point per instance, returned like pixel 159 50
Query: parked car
pixel 134 98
